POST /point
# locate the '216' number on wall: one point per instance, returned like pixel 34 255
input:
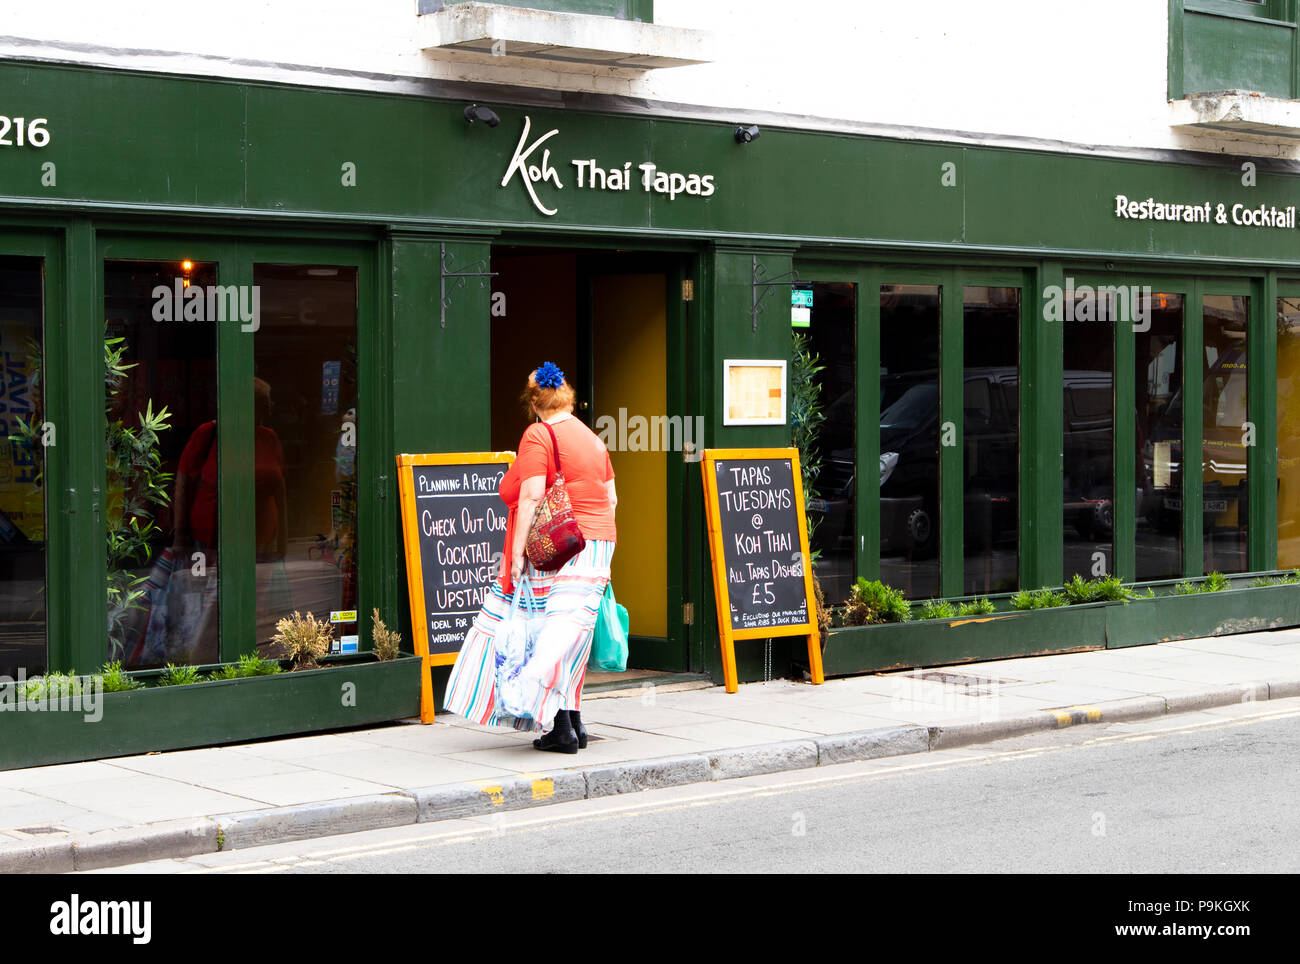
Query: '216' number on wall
pixel 31 132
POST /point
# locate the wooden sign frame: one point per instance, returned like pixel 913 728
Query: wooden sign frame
pixel 414 571
pixel 708 458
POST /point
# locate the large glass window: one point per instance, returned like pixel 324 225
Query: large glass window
pixel 909 438
pixel 305 444
pixel 831 336
pixel 1288 433
pixel 161 408
pixel 22 462
pixel 1158 375
pixel 991 437
pixel 1088 461
pixel 1224 432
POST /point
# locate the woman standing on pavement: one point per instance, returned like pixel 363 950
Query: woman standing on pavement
pixel 570 597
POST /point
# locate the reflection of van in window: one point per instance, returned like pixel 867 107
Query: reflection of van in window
pixel 909 461
pixel 909 464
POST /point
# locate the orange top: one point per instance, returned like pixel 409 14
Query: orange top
pixel 586 470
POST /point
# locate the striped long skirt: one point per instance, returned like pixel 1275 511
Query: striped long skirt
pixel 570 598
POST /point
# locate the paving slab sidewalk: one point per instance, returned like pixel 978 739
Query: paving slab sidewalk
pixel 106 813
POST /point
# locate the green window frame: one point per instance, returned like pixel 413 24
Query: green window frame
pixel 1036 418
pixel 1277 285
pixel 1261 458
pixel 65 528
pixel 1276 10
pixel 1231 44
pixel 81 587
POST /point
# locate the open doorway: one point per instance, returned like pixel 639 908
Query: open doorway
pixel 603 319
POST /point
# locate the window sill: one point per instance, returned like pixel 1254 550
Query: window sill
pixel 1229 13
pixel 1238 112
pixel 517 35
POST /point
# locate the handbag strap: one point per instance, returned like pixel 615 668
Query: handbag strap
pixel 555 445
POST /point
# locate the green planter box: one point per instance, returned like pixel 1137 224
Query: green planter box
pixel 1066 629
pixel 1166 618
pixel 934 642
pixel 206 714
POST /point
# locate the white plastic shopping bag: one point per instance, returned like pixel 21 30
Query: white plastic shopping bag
pixel 515 639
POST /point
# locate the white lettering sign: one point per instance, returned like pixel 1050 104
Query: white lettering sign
pixel 594 176
pixel 1204 212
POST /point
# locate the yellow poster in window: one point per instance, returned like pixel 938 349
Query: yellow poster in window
pixel 22 502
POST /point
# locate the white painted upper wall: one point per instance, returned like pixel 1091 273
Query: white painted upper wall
pixel 1090 75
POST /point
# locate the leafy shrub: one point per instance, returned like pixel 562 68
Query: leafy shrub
pixel 250 664
pixel 304 639
pixel 806 416
pixel 1215 582
pixel 1044 598
pixel 388 644
pixel 116 680
pixel 1077 590
pixel 51 685
pixel 938 609
pixel 1110 589
pixel 874 602
pixel 1106 589
pixel 976 607
pixel 1290 579
pixel 173 675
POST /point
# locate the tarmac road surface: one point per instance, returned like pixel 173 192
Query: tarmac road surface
pixel 1212 791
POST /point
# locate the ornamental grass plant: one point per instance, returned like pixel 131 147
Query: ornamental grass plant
pixel 303 639
pixel 387 644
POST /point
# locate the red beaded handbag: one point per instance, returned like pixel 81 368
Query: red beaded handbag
pixel 554 537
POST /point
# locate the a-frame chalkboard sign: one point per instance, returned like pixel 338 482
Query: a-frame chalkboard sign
pixel 758 540
pixel 454 530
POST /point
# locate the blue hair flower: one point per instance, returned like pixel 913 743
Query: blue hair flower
pixel 549 375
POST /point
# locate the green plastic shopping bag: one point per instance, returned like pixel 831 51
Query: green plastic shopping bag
pixel 609 642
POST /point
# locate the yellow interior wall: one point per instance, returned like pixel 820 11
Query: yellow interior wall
pixel 630 361
pixel 1288 452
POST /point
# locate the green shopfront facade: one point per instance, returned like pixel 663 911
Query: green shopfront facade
pixel 1021 350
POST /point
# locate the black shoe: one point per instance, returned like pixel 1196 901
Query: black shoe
pixel 579 730
pixel 561 738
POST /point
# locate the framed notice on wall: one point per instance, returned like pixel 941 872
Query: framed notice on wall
pixel 454 530
pixel 753 391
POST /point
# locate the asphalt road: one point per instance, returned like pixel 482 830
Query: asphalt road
pixel 1214 791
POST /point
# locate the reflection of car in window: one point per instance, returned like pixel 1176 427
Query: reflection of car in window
pixel 909 464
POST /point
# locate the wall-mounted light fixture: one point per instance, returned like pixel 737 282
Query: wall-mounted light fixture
pixel 476 113
pixel 746 134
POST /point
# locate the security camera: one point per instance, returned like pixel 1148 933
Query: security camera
pixel 476 113
pixel 746 134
